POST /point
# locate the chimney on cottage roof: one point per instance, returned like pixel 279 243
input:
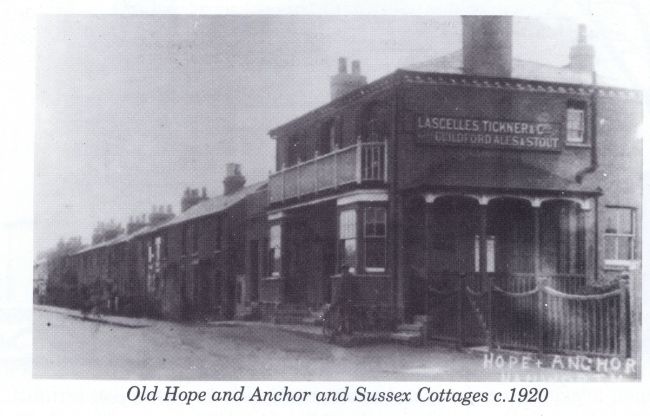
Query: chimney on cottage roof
pixel 344 82
pixel 158 215
pixel 487 45
pixel 234 180
pixel 191 197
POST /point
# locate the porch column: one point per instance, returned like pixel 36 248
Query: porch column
pixel 429 199
pixel 536 204
pixel 486 280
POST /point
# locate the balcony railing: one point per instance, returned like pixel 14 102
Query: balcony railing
pixel 361 162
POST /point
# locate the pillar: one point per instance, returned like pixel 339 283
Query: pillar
pixel 486 280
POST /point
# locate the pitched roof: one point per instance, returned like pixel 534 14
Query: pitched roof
pixel 207 207
pixel 119 239
pixel 216 204
pixel 521 69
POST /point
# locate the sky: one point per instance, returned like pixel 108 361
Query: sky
pixel 132 109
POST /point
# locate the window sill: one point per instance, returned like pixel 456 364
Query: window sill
pixel 577 145
pixel 621 264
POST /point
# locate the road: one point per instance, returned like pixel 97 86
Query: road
pixel 68 347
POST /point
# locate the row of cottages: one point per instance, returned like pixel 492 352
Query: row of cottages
pixel 476 165
pixel 201 264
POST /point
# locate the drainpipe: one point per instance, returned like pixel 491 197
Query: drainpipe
pixel 594 125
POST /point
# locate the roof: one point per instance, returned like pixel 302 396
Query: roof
pixel 496 173
pixel 451 64
pixel 207 207
pixel 119 239
pixel 521 69
pixel 216 204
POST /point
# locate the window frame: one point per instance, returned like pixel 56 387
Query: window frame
pixel 576 107
pixel 374 236
pixel 617 235
pixel 351 235
pixel 275 246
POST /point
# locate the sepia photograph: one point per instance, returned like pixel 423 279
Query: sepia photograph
pixel 335 198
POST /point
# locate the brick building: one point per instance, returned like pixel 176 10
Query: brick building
pixel 201 264
pixel 475 164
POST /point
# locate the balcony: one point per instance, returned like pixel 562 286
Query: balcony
pixel 361 162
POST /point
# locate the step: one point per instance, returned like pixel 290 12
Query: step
pixel 406 337
pixel 312 320
pixel 417 327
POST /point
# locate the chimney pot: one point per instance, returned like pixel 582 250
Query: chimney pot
pixel 344 83
pixel 343 65
pixel 204 193
pixel 356 67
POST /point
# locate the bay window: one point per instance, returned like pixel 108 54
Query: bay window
pixel 348 239
pixel 275 254
pixel 375 239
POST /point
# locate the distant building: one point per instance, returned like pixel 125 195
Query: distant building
pixel 40 282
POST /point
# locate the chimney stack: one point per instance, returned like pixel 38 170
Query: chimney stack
pixel 190 198
pixel 344 82
pixel 581 57
pixel 487 45
pixel 234 180
pixel 158 215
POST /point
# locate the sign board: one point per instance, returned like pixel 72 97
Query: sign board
pixel 485 133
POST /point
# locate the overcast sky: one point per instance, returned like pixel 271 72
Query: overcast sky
pixel 130 110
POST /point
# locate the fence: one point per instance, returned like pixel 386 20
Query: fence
pixel 518 314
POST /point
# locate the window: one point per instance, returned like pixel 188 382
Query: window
pixel 185 238
pixel 375 239
pixel 372 128
pixel 575 123
pixel 329 138
pixel 157 253
pixel 619 234
pixel 348 239
pixel 295 152
pixel 275 254
pixel 195 237
pixel 217 233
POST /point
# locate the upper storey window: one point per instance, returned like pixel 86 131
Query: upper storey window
pixel 575 123
pixel 329 137
pixel 372 124
pixel 294 151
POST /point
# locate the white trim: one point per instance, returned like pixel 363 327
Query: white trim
pixel 621 264
pixel 376 195
pixel 376 269
pixel 326 198
pixel 276 215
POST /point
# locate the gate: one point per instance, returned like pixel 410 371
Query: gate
pixel 530 316
pixel 457 307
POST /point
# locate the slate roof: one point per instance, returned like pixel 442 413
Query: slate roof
pixel 521 69
pixel 207 207
pixel 216 204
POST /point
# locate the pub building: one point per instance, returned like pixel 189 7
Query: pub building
pixel 474 164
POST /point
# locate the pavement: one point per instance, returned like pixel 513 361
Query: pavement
pixel 108 347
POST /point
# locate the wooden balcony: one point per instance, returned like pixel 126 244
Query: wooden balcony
pixel 361 162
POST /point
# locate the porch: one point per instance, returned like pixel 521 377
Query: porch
pixel 512 271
